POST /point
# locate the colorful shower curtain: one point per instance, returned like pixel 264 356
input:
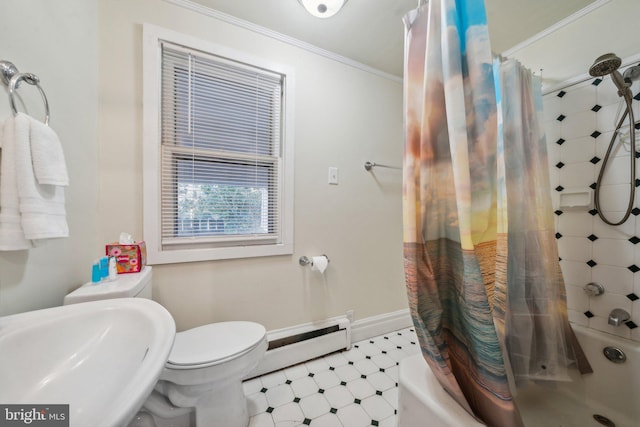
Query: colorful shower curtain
pixel 483 279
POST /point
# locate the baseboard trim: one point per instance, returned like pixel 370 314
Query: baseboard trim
pixel 380 324
pixel 359 330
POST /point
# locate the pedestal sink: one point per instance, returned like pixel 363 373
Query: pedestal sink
pixel 101 358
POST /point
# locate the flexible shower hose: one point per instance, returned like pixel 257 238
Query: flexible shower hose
pixel 632 182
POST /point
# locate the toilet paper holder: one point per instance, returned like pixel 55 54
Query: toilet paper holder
pixel 305 260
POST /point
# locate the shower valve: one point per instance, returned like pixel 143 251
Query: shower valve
pixel 593 289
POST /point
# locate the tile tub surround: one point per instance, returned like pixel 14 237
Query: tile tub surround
pixel 579 122
pixel 351 388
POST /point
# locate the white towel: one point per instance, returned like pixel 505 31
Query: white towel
pixel 11 234
pixel 41 206
pixel 46 151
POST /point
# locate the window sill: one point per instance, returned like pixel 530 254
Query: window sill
pixel 156 256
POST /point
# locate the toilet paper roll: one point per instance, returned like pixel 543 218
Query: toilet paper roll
pixel 319 263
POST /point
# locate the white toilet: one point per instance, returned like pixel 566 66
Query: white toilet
pixel 206 364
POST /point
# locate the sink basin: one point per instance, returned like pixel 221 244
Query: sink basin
pixel 102 358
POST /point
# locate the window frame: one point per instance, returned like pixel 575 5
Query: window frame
pixel 153 37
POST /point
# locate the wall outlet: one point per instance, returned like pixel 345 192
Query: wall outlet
pixel 333 175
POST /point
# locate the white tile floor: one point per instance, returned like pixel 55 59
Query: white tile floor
pixel 354 388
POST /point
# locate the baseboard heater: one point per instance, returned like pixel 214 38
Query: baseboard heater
pixel 290 346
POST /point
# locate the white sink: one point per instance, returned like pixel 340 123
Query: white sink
pixel 102 358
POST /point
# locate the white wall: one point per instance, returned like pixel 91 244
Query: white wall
pixel 56 41
pixel 343 117
pixel 88 55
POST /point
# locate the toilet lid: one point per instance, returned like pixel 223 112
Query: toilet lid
pixel 215 341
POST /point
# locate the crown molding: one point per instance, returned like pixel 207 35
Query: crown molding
pixel 230 19
pixel 626 62
pixel 555 27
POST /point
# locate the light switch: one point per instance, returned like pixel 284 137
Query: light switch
pixel 333 175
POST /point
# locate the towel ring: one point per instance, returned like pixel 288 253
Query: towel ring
pixel 33 80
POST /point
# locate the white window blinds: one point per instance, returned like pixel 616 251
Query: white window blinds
pixel 221 144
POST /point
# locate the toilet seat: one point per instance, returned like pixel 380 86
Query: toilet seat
pixel 214 343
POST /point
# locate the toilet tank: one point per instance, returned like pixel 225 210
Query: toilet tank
pixel 128 285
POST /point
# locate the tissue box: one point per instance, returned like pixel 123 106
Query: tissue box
pixel 129 258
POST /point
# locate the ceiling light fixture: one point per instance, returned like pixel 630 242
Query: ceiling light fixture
pixel 322 8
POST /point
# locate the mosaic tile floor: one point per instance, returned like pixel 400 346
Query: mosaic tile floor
pixel 354 388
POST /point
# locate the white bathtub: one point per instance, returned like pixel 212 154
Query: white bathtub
pixel 612 391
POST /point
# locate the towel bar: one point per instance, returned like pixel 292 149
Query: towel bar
pixel 370 165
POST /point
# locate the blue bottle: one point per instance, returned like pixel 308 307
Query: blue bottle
pixel 96 274
pixel 104 268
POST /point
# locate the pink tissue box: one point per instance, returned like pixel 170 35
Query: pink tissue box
pixel 129 258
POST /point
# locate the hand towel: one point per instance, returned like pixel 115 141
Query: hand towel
pixel 49 166
pixel 42 207
pixel 11 234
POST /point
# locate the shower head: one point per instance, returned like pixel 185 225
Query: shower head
pixel 609 64
pixel 605 64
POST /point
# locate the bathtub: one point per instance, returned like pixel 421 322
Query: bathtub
pixel 610 396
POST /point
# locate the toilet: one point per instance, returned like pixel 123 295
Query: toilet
pixel 206 365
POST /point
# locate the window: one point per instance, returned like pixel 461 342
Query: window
pixel 218 155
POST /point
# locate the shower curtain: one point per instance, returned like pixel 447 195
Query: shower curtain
pixel 482 272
